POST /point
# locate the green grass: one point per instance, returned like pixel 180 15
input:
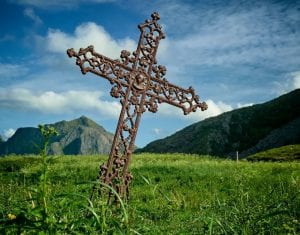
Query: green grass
pixel 284 153
pixel 170 194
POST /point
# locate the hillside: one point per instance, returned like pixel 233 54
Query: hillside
pixel 247 130
pixel 284 153
pixel 79 136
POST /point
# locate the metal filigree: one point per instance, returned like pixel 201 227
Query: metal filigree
pixel 140 84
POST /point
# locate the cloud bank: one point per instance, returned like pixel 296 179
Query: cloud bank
pixel 214 109
pixel 292 82
pixel 296 80
pixel 88 34
pixel 59 103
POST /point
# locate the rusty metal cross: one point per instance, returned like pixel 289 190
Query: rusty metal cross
pixel 140 84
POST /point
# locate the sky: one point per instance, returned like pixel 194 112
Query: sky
pixel 234 53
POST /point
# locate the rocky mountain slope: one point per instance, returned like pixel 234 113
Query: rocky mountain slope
pixel 247 130
pixel 79 136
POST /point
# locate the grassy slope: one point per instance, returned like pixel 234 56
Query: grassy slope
pixel 170 194
pixel 285 153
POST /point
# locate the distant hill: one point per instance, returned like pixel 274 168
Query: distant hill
pixel 79 136
pixel 247 130
pixel 25 141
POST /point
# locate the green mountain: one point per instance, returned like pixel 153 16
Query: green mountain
pixel 79 136
pixel 247 130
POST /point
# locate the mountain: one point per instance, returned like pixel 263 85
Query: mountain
pixel 247 130
pixel 25 141
pixel 79 136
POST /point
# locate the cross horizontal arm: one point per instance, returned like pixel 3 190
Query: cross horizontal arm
pixel 113 70
pixel 161 91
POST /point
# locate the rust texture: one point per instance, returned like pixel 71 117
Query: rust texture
pixel 140 84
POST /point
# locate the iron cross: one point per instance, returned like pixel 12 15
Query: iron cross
pixel 140 84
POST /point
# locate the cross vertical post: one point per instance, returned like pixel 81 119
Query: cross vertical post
pixel 140 84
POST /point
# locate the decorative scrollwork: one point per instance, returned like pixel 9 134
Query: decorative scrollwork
pixel 90 61
pixel 161 91
pixel 114 174
pixel 151 34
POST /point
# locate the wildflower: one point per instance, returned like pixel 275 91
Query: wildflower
pixel 11 216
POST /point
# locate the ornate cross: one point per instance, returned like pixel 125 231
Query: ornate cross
pixel 140 84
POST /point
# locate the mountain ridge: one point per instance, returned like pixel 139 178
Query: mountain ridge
pixel 237 130
pixel 78 136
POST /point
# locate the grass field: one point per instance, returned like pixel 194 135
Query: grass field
pixel 170 194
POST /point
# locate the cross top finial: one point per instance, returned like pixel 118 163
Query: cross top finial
pixel 155 16
pixel 153 26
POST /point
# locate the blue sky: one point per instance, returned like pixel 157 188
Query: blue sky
pixel 234 53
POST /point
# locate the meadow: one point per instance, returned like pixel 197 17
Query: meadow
pixel 170 194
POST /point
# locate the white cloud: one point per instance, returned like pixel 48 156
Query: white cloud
pixel 12 70
pixel 88 34
pixel 239 105
pixel 296 80
pixel 157 131
pixel 214 109
pixel 8 133
pixel 29 12
pixel 59 103
pixel 291 82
